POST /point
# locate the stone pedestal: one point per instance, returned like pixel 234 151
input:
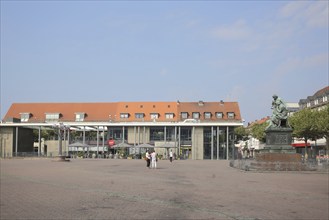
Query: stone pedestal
pixel 278 140
pixel 278 154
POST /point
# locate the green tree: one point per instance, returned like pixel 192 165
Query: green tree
pixel 241 133
pixel 322 123
pixel 304 125
pixel 45 133
pixel 258 131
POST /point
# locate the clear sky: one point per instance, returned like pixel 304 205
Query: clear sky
pixel 110 51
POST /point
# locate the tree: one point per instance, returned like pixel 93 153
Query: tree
pixel 304 125
pixel 241 133
pixel 258 131
pixel 322 123
pixel 45 133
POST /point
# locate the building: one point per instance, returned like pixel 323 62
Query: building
pixel 317 101
pixel 195 130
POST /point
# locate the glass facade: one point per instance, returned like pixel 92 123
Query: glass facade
pixel 156 133
pixel 117 133
pixel 215 142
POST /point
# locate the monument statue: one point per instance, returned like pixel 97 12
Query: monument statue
pixel 279 114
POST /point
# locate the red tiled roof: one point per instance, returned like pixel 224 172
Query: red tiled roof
pixel 261 121
pixel 321 91
pixel 107 111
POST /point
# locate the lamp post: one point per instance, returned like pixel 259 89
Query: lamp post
pixel 60 129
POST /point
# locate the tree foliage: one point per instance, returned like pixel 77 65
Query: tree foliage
pixel 322 123
pixel 258 131
pixel 304 124
pixel 241 133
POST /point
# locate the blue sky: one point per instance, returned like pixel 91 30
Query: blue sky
pixel 109 51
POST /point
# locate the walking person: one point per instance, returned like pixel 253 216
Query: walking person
pixel 170 156
pixel 153 160
pixel 148 158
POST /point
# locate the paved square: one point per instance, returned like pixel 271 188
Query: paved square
pixel 126 189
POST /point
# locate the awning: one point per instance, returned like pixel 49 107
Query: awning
pixel 145 146
pixel 300 144
pixel 121 145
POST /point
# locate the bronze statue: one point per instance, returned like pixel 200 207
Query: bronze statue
pixel 279 115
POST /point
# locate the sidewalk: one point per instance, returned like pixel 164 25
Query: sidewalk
pixel 126 189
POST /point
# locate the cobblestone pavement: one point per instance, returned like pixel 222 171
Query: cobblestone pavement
pixel 126 189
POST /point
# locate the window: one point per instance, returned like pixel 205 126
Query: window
pixel 154 115
pixel 184 115
pixel 169 115
pixel 156 133
pixel 139 115
pixel 196 115
pixel 124 115
pixel 79 116
pixel 207 115
pixel 25 117
pixel 230 115
pixel 219 114
pixel 50 117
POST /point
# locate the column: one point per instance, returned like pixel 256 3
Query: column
pixel 227 143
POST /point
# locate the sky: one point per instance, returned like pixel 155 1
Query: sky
pixel 117 51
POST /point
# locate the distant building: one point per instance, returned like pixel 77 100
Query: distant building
pixel 194 130
pixel 318 100
pixel 292 107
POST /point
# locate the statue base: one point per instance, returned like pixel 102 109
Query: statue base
pixel 278 162
pixel 278 140
pixel 278 154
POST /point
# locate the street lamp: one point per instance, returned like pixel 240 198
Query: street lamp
pixel 60 127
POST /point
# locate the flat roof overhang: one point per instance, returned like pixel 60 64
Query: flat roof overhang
pixel 126 124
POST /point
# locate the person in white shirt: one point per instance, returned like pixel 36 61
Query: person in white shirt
pixel 170 156
pixel 153 160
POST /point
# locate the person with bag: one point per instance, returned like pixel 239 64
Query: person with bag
pixel 148 158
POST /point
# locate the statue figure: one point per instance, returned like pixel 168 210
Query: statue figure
pixel 279 115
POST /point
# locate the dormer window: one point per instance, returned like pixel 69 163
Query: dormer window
pixel 196 115
pixel 80 116
pixel 52 117
pixel 207 115
pixel 230 115
pixel 25 116
pixel 154 115
pixel 169 115
pixel 139 115
pixel 184 115
pixel 219 115
pixel 124 115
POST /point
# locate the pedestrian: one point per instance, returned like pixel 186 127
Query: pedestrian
pixel 148 158
pixel 154 160
pixel 170 156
